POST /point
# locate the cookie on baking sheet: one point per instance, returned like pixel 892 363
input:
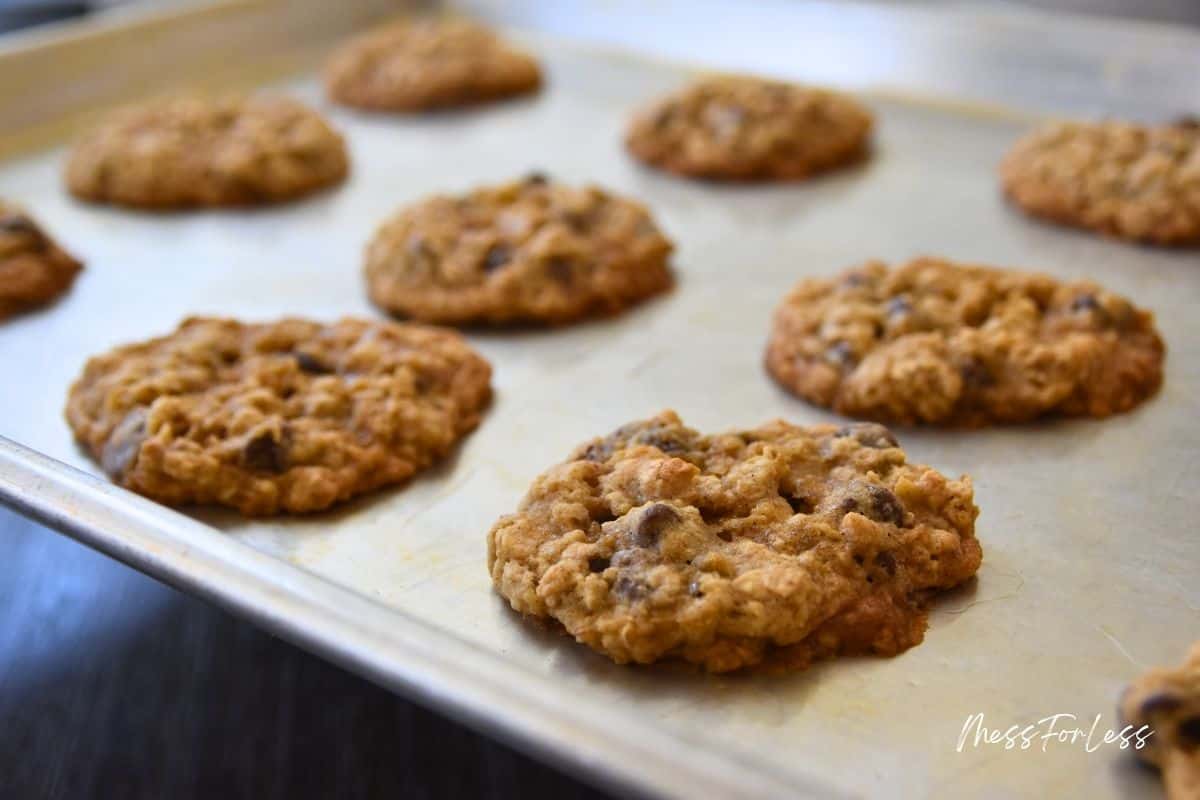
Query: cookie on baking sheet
pixel 421 64
pixel 531 251
pixel 1138 182
pixel 290 416
pixel 1167 701
pixel 776 545
pixel 33 268
pixel 742 128
pixel 194 151
pixel 942 343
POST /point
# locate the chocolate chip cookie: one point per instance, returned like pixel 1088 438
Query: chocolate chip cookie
pixel 941 343
pixel 777 545
pixel 33 268
pixel 1168 702
pixel 742 128
pixel 531 251
pixel 291 416
pixel 428 63
pixel 1138 182
pixel 192 151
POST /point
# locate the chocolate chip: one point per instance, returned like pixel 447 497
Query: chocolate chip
pixel 1159 702
pixel 311 364
pixel 868 434
pixel 800 505
pixel 976 374
pixel 598 564
pixel 1187 122
pixel 1085 303
pixel 855 279
pixel 561 270
pixel 1189 732
pixel 667 444
pixel 874 502
pixel 537 178
pixel 898 307
pixel 662 117
pixel 629 588
pixel 121 450
pixel 887 562
pixel 840 353
pixel 497 256
pixel 694 588
pixel 21 225
pixel 264 454
pixel 597 451
pixel 651 523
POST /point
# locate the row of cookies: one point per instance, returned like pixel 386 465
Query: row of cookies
pixel 779 544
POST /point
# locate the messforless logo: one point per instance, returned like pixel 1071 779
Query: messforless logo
pixel 1058 729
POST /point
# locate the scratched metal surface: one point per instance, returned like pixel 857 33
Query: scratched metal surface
pixel 1090 568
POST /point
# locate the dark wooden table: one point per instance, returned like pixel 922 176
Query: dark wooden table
pixel 114 685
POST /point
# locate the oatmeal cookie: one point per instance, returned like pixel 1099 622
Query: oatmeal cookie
pixel 777 545
pixel 1168 702
pixel 936 342
pixel 741 128
pixel 421 64
pixel 530 251
pixel 191 151
pixel 33 268
pixel 291 416
pixel 1136 182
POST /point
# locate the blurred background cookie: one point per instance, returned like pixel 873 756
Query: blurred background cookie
pixel 530 251
pixel 743 128
pixel 1137 182
pixel 33 268
pixel 421 64
pixel 194 151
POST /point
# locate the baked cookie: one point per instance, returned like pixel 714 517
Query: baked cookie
pixel 776 545
pixel 33 268
pixel 190 151
pixel 530 251
pixel 291 416
pixel 423 64
pixel 1168 702
pixel 1135 182
pixel 941 343
pixel 740 128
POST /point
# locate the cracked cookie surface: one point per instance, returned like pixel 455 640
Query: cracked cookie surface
pixel 1136 182
pixel 1168 701
pixel 777 545
pixel 530 251
pixel 743 128
pixel 941 343
pixel 290 416
pixel 190 151
pixel 33 268
pixel 421 64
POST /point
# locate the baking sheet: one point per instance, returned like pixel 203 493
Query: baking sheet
pixel 1090 564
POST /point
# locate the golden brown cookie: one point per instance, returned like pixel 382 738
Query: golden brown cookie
pixel 1167 701
pixel 291 416
pixel 530 251
pixel 742 128
pixel 776 545
pixel 1137 182
pixel 423 64
pixel 33 268
pixel 191 151
pixel 941 343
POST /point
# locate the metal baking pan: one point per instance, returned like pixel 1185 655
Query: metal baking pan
pixel 1090 567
